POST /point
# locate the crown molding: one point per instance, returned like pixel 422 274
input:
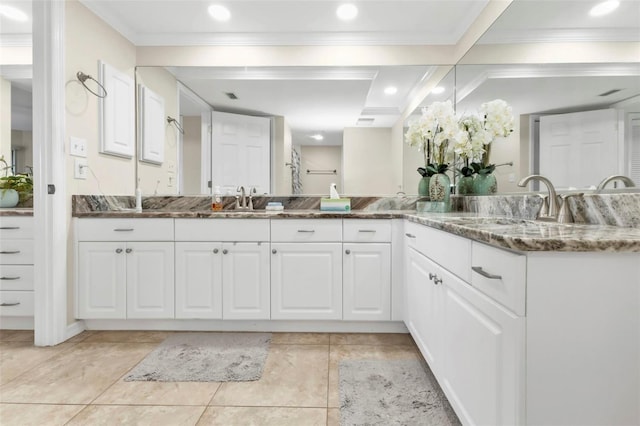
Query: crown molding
pixel 16 40
pixel 278 73
pixel 16 72
pixel 559 35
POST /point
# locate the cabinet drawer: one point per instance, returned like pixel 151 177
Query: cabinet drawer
pixel 306 230
pixel 16 252
pixel 16 303
pixel 16 227
pixel 500 275
pixel 450 251
pixel 222 229
pixel 16 277
pixel 366 231
pixel 125 229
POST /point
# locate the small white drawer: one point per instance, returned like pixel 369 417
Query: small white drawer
pixel 16 277
pixel 449 250
pixel 16 252
pixel 306 230
pixel 96 229
pixel 222 230
pixel 16 227
pixel 366 230
pixel 499 274
pixel 16 303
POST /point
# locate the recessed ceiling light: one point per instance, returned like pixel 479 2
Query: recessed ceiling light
pixel 347 11
pixel 391 90
pixel 604 8
pixel 219 12
pixel 13 13
pixel 317 137
pixel 437 90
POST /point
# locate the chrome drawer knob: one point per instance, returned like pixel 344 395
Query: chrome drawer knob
pixel 347 251
pixel 215 251
pixel 129 250
pixel 118 250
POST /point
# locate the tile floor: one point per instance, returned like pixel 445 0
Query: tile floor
pixel 80 382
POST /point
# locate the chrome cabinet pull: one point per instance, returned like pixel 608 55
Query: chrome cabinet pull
pixel 437 280
pixel 347 251
pixel 225 251
pixel 485 274
pixel 306 230
pixel 215 251
pixel 118 250
pixel 410 235
pixel 129 250
pixel 10 252
pixel 10 304
pixel 9 278
pixel 432 276
pixel 366 230
pixel 123 229
pixel 274 251
pixel 9 227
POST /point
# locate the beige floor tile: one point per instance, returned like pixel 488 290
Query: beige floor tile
pixel 96 415
pixel 16 336
pixel 76 376
pixel 264 416
pixel 158 393
pixel 37 414
pixel 128 336
pixel 80 337
pixel 294 376
pixel 377 339
pixel 300 338
pixel 333 417
pixel 343 352
pixel 17 358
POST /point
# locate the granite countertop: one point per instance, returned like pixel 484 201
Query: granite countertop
pixel 16 211
pixel 254 214
pixel 532 235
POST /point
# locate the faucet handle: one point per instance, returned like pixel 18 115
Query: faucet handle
pixel 565 216
pixel 544 208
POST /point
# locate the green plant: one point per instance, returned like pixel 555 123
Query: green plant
pixel 22 183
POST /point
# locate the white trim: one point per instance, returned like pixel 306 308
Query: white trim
pixel 50 210
pixel 250 325
pixel 16 72
pixel 16 40
pixel 75 329
pixel 560 35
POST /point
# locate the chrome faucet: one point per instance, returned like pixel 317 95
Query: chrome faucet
pixel 241 200
pixel 624 179
pixel 553 198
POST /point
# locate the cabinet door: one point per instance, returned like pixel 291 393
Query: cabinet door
pixel 150 280
pixel 198 280
pixel 101 285
pixel 306 281
pixel 482 373
pixel 424 306
pixel 245 281
pixel 366 286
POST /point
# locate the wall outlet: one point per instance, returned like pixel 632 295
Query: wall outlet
pixel 512 177
pixel 80 168
pixel 77 146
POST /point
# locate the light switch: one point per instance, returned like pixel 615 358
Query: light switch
pixel 77 146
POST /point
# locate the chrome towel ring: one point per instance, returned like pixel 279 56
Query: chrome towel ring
pixel 82 77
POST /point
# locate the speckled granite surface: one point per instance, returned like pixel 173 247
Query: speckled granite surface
pixel 16 211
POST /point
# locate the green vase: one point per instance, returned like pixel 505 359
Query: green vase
pixel 9 198
pixel 440 188
pixel 423 186
pixel 465 185
pixel 485 184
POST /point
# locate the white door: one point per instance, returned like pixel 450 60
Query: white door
pixel 366 286
pixel 482 373
pixel 198 280
pixel 150 279
pixel 241 151
pixel 579 149
pixel 424 314
pixel 101 279
pixel 245 281
pixel 306 281
pixel 633 147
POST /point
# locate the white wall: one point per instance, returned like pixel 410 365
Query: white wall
pixel 5 120
pixel 281 155
pixel 191 153
pixel 320 158
pixel 367 154
pixel 22 141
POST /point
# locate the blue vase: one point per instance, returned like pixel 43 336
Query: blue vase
pixel 423 186
pixel 440 188
pixel 485 184
pixel 9 198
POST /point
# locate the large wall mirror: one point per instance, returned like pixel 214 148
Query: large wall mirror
pixel 573 81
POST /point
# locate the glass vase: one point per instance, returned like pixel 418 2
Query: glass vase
pixel 440 188
pixel 9 198
pixel 423 186
pixel 485 184
pixel 465 185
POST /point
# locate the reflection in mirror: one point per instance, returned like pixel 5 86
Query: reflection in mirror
pixel 16 117
pixel 327 125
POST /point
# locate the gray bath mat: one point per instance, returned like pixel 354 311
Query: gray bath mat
pixel 391 392
pixel 205 357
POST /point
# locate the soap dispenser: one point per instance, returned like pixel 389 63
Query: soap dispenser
pixel 216 202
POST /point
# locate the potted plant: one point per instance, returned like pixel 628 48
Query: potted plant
pixel 12 187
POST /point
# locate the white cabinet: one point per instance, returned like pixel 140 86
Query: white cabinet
pixel 16 271
pixel 222 268
pixel 366 284
pixel 125 268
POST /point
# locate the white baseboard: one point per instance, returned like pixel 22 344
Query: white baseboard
pixel 16 323
pixel 237 325
pixel 75 329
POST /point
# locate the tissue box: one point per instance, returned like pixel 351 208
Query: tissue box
pixel 335 204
